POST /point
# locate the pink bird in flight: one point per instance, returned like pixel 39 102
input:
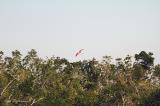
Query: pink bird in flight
pixel 77 53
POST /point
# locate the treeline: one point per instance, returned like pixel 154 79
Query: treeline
pixel 33 81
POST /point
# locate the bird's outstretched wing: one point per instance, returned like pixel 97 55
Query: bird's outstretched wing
pixel 77 53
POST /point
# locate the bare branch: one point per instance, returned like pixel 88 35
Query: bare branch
pixel 34 101
pixel 5 88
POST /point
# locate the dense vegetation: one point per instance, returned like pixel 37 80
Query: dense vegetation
pixel 32 81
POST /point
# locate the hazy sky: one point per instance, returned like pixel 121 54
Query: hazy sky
pixel 61 27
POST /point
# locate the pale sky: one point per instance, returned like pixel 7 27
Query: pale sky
pixel 61 27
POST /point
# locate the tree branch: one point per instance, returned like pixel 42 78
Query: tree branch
pixel 7 86
pixel 34 101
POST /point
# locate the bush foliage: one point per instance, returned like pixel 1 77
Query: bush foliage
pixel 32 81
